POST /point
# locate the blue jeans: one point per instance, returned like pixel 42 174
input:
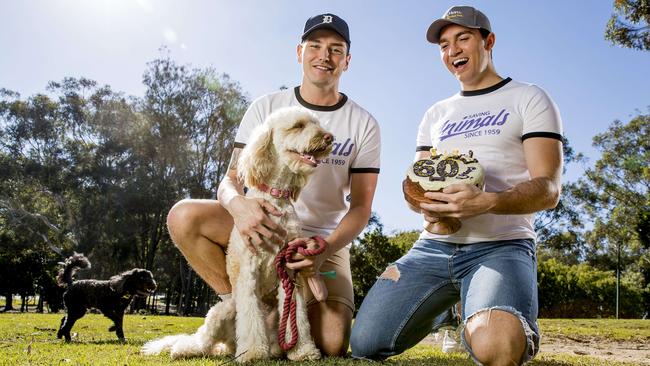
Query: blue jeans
pixel 401 307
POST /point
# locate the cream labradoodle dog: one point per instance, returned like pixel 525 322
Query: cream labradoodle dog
pixel 275 165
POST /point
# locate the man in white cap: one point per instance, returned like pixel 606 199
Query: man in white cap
pixel 335 204
pixel 515 131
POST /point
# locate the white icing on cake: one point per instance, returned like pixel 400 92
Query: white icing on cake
pixel 442 170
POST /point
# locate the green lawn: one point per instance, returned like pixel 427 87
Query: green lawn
pixel 30 339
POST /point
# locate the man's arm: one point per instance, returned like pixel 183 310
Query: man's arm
pixel 542 191
pixel 544 161
pixel 230 186
pixel 362 191
pixel 250 215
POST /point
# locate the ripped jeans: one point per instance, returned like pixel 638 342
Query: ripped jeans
pixel 400 308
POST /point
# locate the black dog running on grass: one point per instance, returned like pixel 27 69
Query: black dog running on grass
pixel 111 296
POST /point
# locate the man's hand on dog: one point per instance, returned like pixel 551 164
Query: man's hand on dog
pixel 309 267
pixel 251 217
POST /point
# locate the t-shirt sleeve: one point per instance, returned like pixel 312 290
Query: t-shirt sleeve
pixel 252 118
pixel 423 141
pixel 368 158
pixel 540 115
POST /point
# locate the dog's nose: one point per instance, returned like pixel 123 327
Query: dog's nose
pixel 328 138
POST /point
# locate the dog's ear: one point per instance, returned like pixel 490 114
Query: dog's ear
pixel 117 282
pixel 295 192
pixel 258 157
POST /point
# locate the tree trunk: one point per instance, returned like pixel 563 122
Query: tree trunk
pixel 39 306
pixel 189 296
pixel 184 286
pixel 168 299
pixel 9 304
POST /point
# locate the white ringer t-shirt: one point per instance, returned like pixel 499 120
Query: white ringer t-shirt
pixel 493 123
pixel 324 200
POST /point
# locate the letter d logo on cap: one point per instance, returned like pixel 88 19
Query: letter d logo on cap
pixel 327 18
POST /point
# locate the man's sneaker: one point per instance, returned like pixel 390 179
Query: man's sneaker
pixel 451 342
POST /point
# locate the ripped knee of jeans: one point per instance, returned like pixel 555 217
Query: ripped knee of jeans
pixel 483 318
pixel 391 273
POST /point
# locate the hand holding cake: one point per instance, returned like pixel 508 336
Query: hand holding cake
pixel 434 174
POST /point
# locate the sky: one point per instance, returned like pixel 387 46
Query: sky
pixel 394 72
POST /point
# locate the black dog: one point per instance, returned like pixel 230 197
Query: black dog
pixel 111 297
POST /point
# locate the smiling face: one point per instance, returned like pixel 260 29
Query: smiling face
pixel 300 140
pixel 324 58
pixel 467 55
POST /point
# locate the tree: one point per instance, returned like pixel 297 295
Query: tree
pixel 191 118
pixel 559 230
pixel 629 25
pixel 615 196
pixel 369 256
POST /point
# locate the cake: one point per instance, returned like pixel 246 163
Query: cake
pixel 435 173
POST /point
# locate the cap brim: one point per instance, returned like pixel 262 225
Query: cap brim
pixel 323 26
pixel 433 33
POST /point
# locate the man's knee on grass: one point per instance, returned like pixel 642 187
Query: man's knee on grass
pixel 496 337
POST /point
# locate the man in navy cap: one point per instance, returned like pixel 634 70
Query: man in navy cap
pixel 335 204
pixel 515 131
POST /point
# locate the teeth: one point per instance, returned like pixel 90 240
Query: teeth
pixel 308 157
pixel 460 60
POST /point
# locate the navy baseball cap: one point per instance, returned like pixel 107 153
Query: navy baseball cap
pixel 466 16
pixel 327 21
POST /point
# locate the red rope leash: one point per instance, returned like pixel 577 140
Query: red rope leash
pixel 289 306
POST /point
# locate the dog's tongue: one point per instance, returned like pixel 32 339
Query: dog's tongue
pixel 309 159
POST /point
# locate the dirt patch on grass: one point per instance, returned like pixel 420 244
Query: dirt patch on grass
pixel 634 352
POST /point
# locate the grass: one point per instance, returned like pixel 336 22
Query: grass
pixel 30 339
pixel 611 329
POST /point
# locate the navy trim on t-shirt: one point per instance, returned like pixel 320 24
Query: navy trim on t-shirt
pixel 552 135
pixel 423 148
pixel 364 170
pixel 320 108
pixel 472 93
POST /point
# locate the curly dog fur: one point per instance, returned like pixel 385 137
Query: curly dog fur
pixel 282 153
pixel 110 296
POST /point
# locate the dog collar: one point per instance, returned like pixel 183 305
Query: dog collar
pixel 275 192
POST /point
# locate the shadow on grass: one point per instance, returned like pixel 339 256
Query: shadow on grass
pixel 128 342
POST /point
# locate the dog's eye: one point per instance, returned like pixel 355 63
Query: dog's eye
pixel 298 125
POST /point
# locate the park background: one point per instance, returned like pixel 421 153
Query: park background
pixel 94 169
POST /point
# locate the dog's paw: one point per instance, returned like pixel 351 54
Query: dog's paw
pixel 303 352
pixel 256 352
pixel 223 349
pixel 276 350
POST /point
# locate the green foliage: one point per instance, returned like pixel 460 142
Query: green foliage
pixel 559 229
pixel 629 25
pixel 404 240
pixel 580 291
pixel 369 257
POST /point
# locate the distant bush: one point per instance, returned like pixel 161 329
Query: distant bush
pixel 580 291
